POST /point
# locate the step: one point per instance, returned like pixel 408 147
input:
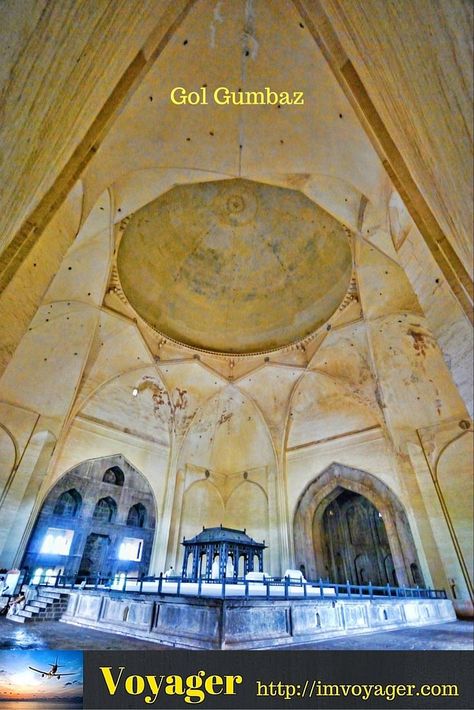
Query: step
pixel 50 594
pixel 34 609
pixel 39 603
pixel 56 594
pixel 24 612
pixel 47 601
pixel 18 619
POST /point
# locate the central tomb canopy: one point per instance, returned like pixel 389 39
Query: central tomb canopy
pixel 217 552
pixel 234 266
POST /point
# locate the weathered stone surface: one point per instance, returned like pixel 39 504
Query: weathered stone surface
pixel 377 383
pixel 234 624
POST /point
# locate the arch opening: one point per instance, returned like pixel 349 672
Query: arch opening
pixel 137 516
pixel 68 504
pixel 105 510
pixel 81 531
pixel 355 542
pixel 349 526
pixel 114 475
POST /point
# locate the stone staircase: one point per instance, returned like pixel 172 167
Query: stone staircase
pixel 49 605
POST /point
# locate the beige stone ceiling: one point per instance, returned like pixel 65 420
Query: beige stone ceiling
pixel 422 51
pixel 319 148
pixel 234 266
pixel 89 130
pixel 153 145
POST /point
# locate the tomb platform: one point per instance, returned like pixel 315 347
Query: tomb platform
pixel 247 622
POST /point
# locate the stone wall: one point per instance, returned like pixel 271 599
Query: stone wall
pixel 241 624
pixel 72 505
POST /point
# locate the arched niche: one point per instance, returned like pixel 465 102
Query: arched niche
pixel 227 444
pixel 114 475
pixel 105 510
pixel 137 516
pixel 16 519
pixel 68 503
pixel 87 518
pixel 327 487
pixel 354 541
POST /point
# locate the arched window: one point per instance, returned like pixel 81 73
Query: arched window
pixel 68 503
pixel 114 475
pixel 416 574
pixel 105 510
pixel 137 516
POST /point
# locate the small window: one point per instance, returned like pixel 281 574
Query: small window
pixel 119 580
pixel 131 549
pixel 57 542
pixel 114 475
pixel 137 516
pixel 68 503
pixel 105 510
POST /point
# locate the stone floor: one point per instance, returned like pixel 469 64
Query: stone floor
pixel 54 634
pixel 456 636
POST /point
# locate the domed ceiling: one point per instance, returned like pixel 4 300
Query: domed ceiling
pixel 234 266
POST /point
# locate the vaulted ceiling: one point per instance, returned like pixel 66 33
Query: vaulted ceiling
pixel 91 145
pixel 63 89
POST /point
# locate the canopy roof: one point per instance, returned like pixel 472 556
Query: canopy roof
pixel 221 534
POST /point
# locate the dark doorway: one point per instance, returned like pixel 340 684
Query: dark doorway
pixel 94 556
pixel 355 542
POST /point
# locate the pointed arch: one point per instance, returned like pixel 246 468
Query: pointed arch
pixel 69 503
pixel 101 542
pixel 137 516
pixel 114 475
pixel 223 409
pixel 314 500
pixel 105 510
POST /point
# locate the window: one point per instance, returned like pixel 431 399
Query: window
pixel 68 503
pixel 131 549
pixel 114 475
pixel 119 580
pixel 105 510
pixel 57 542
pixel 137 516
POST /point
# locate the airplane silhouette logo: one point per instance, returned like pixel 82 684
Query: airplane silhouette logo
pixel 53 673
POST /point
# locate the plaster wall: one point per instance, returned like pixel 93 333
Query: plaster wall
pixel 90 485
pixel 426 59
pixel 443 313
pixel 367 451
pixel 90 440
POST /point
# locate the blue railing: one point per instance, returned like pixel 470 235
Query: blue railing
pixel 230 587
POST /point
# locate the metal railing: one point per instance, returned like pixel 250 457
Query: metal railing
pixel 239 587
